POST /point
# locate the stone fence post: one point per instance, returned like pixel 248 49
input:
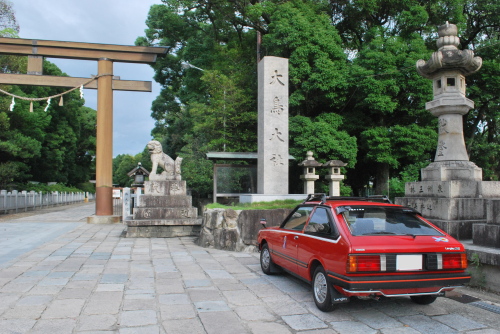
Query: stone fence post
pixel 126 203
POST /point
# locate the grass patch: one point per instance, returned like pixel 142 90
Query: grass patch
pixel 278 204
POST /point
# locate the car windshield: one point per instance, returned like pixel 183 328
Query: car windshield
pixel 384 220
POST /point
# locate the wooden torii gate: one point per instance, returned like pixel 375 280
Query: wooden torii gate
pixel 105 55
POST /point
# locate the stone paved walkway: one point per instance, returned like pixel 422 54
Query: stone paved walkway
pixel 61 275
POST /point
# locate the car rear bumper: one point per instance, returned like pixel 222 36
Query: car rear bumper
pixel 398 282
pixel 398 292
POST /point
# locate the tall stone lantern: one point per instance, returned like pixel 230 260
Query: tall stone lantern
pixel 309 175
pixel 447 69
pixel 451 194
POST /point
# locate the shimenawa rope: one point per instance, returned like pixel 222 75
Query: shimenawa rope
pixel 49 98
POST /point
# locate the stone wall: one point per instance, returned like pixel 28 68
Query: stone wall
pixel 236 230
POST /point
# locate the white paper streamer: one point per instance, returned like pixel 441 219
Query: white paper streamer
pixel 48 104
pixel 11 107
pixel 81 91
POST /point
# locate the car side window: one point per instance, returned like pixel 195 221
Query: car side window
pixel 298 219
pixel 320 222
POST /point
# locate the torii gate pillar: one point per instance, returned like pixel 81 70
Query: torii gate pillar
pixel 104 140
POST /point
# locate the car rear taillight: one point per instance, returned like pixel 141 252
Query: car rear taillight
pixel 405 262
pixel 364 263
pixel 453 261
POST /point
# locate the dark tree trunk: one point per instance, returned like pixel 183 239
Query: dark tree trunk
pixel 382 180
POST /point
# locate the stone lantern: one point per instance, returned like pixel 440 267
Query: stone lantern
pixel 447 68
pixel 309 175
pixel 139 173
pixel 334 177
pixel 451 194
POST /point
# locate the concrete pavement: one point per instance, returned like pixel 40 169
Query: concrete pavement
pixel 61 275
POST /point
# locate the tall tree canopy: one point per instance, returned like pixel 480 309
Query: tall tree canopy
pixel 352 79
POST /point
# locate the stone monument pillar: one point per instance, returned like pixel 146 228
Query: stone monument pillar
pixel 334 177
pixel 309 175
pixel 272 163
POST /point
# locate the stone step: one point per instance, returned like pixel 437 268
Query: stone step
pixel 163 231
pixel 197 221
pixel 487 235
pixel 165 213
pixel 150 201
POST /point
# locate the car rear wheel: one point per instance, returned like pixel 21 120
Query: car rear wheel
pixel 322 290
pixel 266 263
pixel 423 300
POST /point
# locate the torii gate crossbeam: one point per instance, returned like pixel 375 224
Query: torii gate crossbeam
pixel 105 55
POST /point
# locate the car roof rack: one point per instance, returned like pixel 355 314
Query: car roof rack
pixel 323 198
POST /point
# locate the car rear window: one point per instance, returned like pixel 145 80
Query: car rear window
pixel 379 220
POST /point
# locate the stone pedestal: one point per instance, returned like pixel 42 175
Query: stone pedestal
pixel 456 206
pixel 164 211
pixel 309 180
pixel 334 184
pixel 103 220
pixel 334 178
pixel 452 170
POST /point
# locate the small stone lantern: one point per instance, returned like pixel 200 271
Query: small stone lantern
pixel 309 175
pixel 334 177
pixel 139 173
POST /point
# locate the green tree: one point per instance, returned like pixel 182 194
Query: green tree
pixel 323 136
pixel 68 139
pixel 123 164
pixel 57 145
pixel 354 59
pixel 481 124
pixel 209 108
pixel 370 29
pixel 302 32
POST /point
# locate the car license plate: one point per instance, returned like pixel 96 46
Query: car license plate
pixel 408 262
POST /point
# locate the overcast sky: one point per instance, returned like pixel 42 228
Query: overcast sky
pixel 99 21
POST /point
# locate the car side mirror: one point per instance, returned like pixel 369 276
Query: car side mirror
pixel 263 222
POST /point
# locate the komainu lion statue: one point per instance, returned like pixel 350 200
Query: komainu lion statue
pixel 171 168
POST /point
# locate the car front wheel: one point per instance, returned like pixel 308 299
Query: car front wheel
pixel 423 300
pixel 322 291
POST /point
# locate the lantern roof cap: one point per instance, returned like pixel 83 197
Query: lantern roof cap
pixel 138 170
pixel 448 57
pixel 334 163
pixel 310 161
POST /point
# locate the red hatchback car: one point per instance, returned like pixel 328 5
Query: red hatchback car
pixel 348 247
